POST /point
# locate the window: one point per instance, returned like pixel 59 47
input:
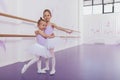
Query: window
pixel 117 1
pixel 96 2
pixel 107 1
pixel 101 6
pixel 97 9
pixel 88 2
pixel 108 8
pixel 117 7
pixel 87 10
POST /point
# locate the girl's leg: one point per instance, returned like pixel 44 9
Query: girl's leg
pixel 46 64
pixel 53 61
pixel 39 66
pixel 26 66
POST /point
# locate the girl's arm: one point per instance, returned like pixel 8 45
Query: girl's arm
pixel 44 35
pixel 61 28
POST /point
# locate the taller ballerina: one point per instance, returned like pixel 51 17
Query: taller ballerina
pixel 47 15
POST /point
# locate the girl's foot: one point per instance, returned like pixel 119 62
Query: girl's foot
pixel 46 68
pixel 41 71
pixel 52 72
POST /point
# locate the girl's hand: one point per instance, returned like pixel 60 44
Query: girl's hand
pixel 69 31
pixel 52 35
pixel 36 32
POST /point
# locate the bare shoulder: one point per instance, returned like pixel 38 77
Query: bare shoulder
pixel 53 25
pixel 38 31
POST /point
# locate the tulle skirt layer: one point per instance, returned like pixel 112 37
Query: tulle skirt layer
pixel 53 42
pixel 39 50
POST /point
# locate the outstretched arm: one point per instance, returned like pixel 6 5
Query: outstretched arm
pixel 61 28
pixel 44 35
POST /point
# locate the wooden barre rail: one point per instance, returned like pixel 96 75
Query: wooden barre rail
pixel 19 35
pixel 16 17
pixel 68 36
pixel 15 35
pixel 24 19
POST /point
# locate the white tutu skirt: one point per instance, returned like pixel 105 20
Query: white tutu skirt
pixel 39 50
pixel 53 42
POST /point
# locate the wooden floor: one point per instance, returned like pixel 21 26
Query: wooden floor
pixel 84 62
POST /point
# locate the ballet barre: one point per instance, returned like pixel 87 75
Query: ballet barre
pixel 16 35
pixel 68 36
pixel 24 19
pixel 76 31
pixel 16 17
pixel 21 35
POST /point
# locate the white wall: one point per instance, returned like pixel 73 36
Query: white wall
pixel 80 21
pixel 65 13
pixel 102 28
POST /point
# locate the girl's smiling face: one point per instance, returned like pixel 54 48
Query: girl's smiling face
pixel 42 25
pixel 47 16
